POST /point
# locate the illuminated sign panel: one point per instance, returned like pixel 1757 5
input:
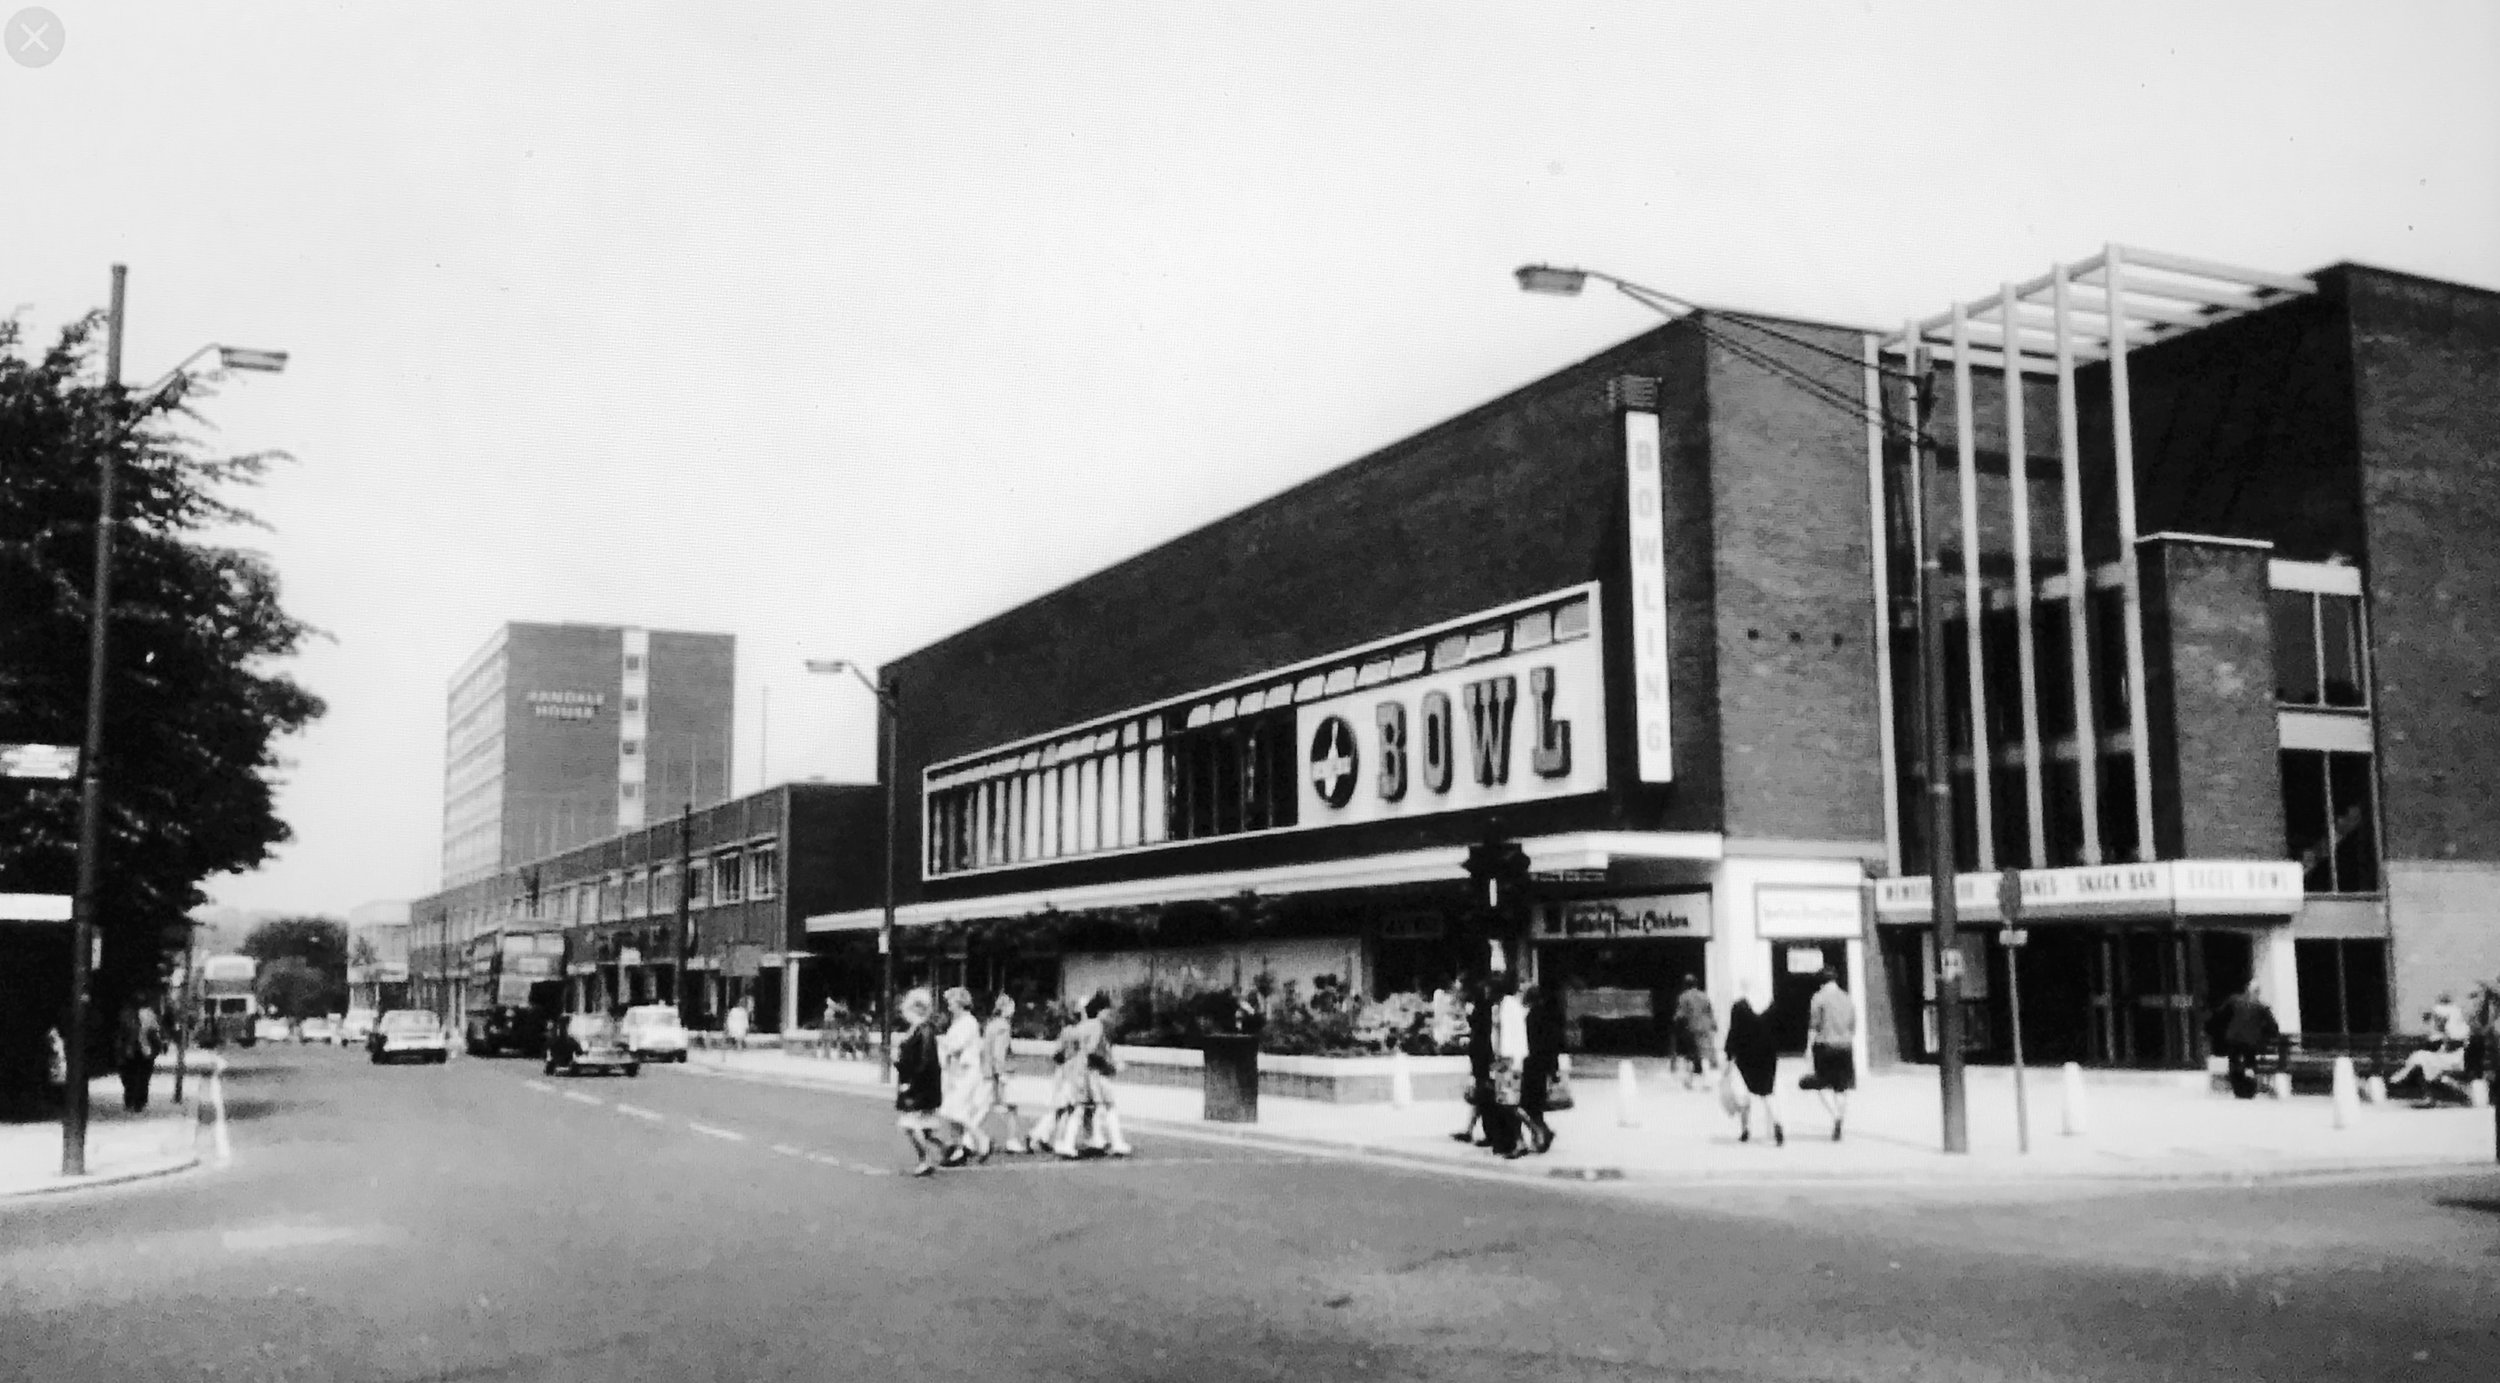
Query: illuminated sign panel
pixel 1653 725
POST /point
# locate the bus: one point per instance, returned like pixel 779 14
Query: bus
pixel 515 989
pixel 223 1006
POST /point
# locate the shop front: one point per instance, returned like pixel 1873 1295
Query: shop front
pixel 2117 965
pixel 1619 964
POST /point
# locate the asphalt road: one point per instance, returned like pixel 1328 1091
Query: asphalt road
pixel 477 1221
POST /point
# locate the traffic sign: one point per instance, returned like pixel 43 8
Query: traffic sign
pixel 34 907
pixel 2015 936
pixel 2010 896
pixel 38 761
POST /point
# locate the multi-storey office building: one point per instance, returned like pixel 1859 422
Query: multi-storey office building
pixel 2224 698
pixel 750 870
pixel 1647 619
pixel 565 733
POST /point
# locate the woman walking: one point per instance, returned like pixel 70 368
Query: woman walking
pixel 1088 1064
pixel 1478 999
pixel 1753 1051
pixel 959 1068
pixel 918 1090
pixel 1503 1120
pixel 1544 1023
pixel 997 1037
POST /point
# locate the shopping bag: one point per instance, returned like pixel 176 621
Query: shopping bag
pixel 1558 1091
pixel 1732 1097
pixel 1506 1084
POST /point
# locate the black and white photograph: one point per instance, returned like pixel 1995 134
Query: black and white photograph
pixel 1154 690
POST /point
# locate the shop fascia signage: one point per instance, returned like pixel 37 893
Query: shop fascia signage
pixel 2184 887
pixel 1808 911
pixel 1521 727
pixel 1593 919
pixel 1652 724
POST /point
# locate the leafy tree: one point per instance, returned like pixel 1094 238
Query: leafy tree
pixel 289 988
pixel 194 707
pixel 319 942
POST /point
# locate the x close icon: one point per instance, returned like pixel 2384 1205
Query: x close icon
pixel 35 37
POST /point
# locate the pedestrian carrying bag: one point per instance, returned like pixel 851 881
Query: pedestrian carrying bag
pixel 1506 1084
pixel 1558 1091
pixel 1731 1094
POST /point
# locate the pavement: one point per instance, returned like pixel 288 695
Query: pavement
pixel 2134 1128
pixel 170 1137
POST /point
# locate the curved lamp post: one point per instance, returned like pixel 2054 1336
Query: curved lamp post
pixel 1567 282
pixel 887 713
pixel 91 751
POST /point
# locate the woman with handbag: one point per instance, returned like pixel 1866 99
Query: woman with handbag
pixel 1089 1047
pixel 1543 1036
pixel 1753 1051
pixel 1503 1122
pixel 1479 1002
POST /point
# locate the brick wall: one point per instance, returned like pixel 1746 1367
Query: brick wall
pixel 2447 931
pixel 1793 598
pixel 2209 691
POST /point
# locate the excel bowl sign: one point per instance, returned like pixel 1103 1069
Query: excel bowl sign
pixel 1517 728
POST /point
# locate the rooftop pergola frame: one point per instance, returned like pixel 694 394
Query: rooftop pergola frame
pixel 2156 296
pixel 2091 312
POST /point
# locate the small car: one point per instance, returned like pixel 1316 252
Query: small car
pixel 273 1030
pixel 653 1032
pixel 356 1027
pixel 317 1029
pixel 408 1034
pixel 590 1042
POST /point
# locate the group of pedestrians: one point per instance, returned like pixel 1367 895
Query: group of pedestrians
pixel 1515 1038
pixel 951 1085
pixel 1514 1061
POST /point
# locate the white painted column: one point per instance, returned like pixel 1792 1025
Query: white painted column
pixel 2018 483
pixel 2278 974
pixel 2122 451
pixel 1974 601
pixel 2078 577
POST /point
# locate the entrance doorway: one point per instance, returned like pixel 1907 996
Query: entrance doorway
pixel 1795 968
pixel 1619 995
pixel 2151 988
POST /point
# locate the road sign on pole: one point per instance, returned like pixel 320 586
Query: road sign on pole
pixel 2010 912
pixel 58 761
pixel 34 907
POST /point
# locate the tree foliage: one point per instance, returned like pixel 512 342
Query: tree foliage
pixel 194 704
pixel 319 942
pixel 289 988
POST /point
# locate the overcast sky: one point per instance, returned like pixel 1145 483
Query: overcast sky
pixel 840 327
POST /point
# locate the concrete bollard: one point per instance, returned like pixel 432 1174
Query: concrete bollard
pixel 1627 1096
pixel 2280 1086
pixel 2078 1113
pixel 1401 1082
pixel 2374 1089
pixel 2347 1093
pixel 2478 1095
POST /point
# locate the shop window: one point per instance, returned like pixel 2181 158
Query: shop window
pixel 2343 986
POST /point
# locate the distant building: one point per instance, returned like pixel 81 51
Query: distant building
pixel 559 734
pixel 377 955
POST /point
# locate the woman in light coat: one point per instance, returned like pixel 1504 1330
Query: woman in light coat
pixel 959 1075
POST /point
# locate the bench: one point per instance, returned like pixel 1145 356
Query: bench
pixel 2309 1058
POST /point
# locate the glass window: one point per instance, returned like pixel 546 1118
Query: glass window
pixel 2305 818
pixel 2348 792
pixel 2339 650
pixel 699 882
pixel 2053 666
pixel 631 748
pixel 2107 612
pixel 2292 615
pixel 633 662
pixel 764 871
pixel 727 877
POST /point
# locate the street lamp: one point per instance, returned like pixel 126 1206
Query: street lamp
pixel 1567 282
pixel 887 714
pixel 91 751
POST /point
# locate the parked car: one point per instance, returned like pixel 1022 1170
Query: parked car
pixel 590 1042
pixel 356 1027
pixel 408 1034
pixel 273 1030
pixel 318 1029
pixel 653 1032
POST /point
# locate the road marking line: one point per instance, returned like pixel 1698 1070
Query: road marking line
pixel 578 1097
pixel 708 1131
pixel 540 1085
pixel 638 1111
pixel 787 1151
pixel 859 1167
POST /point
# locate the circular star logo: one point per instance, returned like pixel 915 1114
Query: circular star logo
pixel 1334 763
pixel 34 37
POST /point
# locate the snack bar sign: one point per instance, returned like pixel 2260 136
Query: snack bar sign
pixel 1519 728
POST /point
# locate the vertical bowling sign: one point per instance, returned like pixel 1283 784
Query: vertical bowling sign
pixel 1651 721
